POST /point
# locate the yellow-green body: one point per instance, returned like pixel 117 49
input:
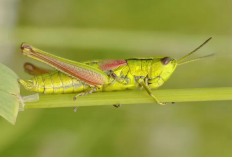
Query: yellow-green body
pixel 150 69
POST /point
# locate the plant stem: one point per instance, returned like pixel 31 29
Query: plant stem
pixel 132 97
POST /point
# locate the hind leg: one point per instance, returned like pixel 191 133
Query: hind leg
pixel 93 89
pixel 34 70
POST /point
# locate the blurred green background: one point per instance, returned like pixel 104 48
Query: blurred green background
pixel 110 29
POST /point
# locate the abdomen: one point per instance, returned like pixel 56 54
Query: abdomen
pixel 54 82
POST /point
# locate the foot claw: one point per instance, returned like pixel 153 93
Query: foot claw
pixel 162 103
pixel 117 106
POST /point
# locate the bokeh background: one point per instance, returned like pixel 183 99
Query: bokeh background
pixel 118 29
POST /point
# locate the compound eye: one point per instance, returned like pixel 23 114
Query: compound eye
pixel 165 60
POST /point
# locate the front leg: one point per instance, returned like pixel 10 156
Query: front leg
pixel 146 87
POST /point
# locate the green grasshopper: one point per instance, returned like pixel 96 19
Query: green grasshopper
pixel 102 75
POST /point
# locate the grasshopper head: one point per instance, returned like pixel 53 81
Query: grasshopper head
pixel 161 70
pixel 163 67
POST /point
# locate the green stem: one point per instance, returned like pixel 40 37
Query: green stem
pixel 132 97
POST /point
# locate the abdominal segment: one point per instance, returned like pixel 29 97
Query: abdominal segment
pixel 57 82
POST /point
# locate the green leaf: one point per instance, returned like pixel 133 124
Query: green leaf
pixel 9 94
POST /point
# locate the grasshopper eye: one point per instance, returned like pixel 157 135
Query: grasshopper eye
pixel 165 60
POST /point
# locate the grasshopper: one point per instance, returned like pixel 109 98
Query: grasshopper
pixel 100 75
